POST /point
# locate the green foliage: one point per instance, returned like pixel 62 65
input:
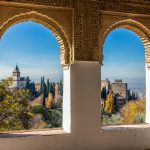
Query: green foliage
pixel 104 93
pixel 38 109
pixel 41 86
pixel 54 118
pixel 14 108
pixel 61 88
pixel 139 118
pixel 114 119
pixel 44 93
pixel 27 85
pixel 48 87
pixel 4 84
pixel 16 113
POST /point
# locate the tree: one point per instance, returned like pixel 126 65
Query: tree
pixel 132 111
pixel 32 87
pixel 4 84
pixel 27 85
pixel 41 86
pixel 44 93
pixel 109 106
pixel 15 112
pixel 133 96
pixel 48 87
pixel 137 96
pixel 61 88
pixel 53 88
pixel 104 93
pixel 49 101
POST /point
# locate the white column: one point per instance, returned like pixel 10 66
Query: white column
pixel 147 95
pixel 67 101
pixel 85 98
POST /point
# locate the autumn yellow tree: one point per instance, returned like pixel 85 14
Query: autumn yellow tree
pixel 49 101
pixel 133 112
pixel 109 103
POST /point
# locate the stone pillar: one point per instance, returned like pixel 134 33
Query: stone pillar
pixel 81 98
pixel 85 98
pixel 147 95
pixel 67 100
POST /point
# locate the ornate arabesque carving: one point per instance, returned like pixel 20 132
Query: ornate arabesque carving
pixel 59 3
pixel 78 29
pixel 136 27
pixel 131 6
pixel 86 22
pixel 125 7
pixel 59 33
pixel 94 30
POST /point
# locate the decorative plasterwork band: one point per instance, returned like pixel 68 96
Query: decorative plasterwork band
pixel 128 6
pixel 136 27
pixel 51 24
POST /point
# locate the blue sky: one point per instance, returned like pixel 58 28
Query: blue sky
pixel 34 48
pixel 124 58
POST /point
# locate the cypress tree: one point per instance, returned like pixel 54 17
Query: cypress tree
pixel 50 88
pixel 44 94
pixel 137 96
pixel 103 93
pixel 43 80
pixel 27 85
pixel 133 96
pixel 47 89
pixel 33 87
pixel 53 88
pixel 61 87
pixel 41 86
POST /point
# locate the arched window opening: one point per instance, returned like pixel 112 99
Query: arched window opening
pixel 123 88
pixel 31 78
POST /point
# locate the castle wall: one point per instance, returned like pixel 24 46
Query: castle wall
pixel 120 89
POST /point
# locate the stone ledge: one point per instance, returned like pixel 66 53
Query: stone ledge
pixel 29 133
pixel 125 127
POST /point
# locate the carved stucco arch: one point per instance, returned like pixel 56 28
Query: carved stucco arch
pixel 136 27
pixel 51 24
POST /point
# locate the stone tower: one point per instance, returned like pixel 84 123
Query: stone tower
pixel 16 76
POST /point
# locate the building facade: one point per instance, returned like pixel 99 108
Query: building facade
pixel 105 84
pixel 120 92
pixel 18 81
